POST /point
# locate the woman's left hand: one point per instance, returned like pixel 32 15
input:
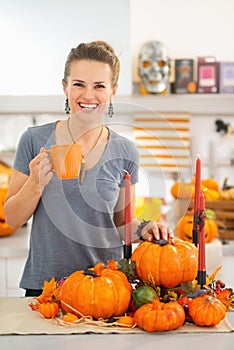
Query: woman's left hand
pixel 155 230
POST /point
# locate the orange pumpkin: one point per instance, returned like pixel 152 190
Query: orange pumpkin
pixel 5 229
pixel 48 310
pixel 210 183
pixel 211 195
pixel 184 228
pixel 99 292
pixel 182 190
pixel 166 265
pixel 159 317
pixel 206 310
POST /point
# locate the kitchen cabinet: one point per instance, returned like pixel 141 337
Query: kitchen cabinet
pixel 13 255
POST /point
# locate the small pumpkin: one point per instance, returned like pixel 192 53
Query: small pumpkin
pixel 206 310
pixel 166 265
pixel 184 228
pixel 126 321
pixel 159 317
pixel 5 229
pixel 48 310
pixel 100 292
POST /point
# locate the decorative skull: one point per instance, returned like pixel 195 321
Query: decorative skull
pixel 154 67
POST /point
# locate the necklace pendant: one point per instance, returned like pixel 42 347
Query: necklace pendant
pixel 82 172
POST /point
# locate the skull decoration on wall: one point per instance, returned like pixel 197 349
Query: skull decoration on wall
pixel 154 67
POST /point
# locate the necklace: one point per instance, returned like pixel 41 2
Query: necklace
pixel 83 162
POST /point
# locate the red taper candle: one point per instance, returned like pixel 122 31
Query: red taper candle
pixel 197 200
pixel 127 235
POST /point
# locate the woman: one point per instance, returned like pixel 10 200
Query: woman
pixel 76 222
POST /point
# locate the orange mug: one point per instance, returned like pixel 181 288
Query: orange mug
pixel 66 160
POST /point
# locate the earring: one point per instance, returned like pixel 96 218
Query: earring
pixel 67 108
pixel 110 110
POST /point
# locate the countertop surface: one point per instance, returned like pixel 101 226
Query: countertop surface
pixel 146 341
pixel 214 339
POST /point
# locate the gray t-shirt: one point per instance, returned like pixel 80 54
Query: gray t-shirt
pixel 73 227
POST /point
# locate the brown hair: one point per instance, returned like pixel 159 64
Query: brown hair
pixel 98 51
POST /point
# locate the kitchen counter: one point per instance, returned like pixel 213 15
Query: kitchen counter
pixel 146 341
pixel 25 329
pixel 15 245
pixel 13 255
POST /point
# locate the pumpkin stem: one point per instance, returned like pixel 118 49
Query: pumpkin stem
pixel 161 242
pixel 156 304
pixel 98 268
pixel 90 273
pixel 112 264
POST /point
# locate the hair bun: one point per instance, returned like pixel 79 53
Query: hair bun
pixel 105 45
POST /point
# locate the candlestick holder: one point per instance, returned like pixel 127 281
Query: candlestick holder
pixel 201 278
pixel 196 227
pixel 127 251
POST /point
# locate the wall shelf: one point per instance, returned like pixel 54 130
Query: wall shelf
pixel 196 104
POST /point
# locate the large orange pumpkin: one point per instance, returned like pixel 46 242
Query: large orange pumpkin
pixel 5 229
pixel 166 265
pixel 100 292
pixel 159 317
pixel 206 310
pixel 184 228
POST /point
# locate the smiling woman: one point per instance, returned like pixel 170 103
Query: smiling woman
pixel 77 221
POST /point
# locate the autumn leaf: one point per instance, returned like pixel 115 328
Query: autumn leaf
pixel 212 276
pixel 48 291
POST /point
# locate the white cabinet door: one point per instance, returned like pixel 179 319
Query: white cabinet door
pixel 2 277
pixel 14 270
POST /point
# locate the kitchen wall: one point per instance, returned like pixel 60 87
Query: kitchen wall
pixel 188 28
pixel 36 37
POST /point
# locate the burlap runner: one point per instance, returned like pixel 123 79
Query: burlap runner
pixel 16 317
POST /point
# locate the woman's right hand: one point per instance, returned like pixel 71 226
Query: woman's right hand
pixel 41 169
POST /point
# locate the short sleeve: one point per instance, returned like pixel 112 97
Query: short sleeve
pixel 24 153
pixel 132 165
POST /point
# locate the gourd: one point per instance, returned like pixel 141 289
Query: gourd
pixel 126 321
pixel 166 265
pixel 5 229
pixel 100 292
pixel 184 228
pixel 206 310
pixel 159 317
pixel 49 310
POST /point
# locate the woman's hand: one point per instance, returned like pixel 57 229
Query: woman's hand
pixel 155 230
pixel 41 169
